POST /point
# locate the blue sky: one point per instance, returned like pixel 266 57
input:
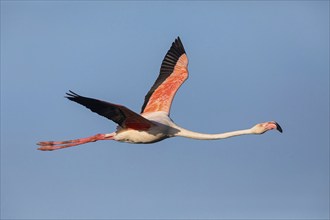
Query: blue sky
pixel 250 62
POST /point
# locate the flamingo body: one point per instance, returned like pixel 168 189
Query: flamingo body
pixel 153 124
pixel 163 128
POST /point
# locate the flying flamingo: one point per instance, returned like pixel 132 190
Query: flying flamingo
pixel 154 123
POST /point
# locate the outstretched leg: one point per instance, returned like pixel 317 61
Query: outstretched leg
pixel 55 145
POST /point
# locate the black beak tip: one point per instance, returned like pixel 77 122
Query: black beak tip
pixel 278 127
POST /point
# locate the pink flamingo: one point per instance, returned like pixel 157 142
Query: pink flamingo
pixel 154 123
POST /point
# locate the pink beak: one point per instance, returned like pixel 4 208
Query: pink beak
pixel 274 125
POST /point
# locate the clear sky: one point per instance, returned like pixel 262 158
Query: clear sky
pixel 250 62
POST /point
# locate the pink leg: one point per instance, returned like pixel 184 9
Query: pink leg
pixel 55 145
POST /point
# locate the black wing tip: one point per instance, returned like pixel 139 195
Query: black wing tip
pixel 178 46
pixel 71 95
pixel 172 56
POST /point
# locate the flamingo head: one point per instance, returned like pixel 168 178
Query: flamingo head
pixel 266 126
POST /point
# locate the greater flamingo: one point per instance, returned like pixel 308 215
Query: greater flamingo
pixel 154 123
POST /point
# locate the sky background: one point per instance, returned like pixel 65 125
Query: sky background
pixel 249 62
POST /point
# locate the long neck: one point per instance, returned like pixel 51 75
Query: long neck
pixel 195 135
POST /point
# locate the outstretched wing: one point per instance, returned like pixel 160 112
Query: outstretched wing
pixel 173 72
pixel 121 115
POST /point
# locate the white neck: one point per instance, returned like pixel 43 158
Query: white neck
pixel 195 135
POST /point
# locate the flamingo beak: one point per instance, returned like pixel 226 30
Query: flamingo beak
pixel 273 125
pixel 278 127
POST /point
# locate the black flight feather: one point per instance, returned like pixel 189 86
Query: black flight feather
pixel 106 109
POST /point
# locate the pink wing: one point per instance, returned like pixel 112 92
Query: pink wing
pixel 173 72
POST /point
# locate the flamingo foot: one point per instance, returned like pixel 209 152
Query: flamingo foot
pixel 55 145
